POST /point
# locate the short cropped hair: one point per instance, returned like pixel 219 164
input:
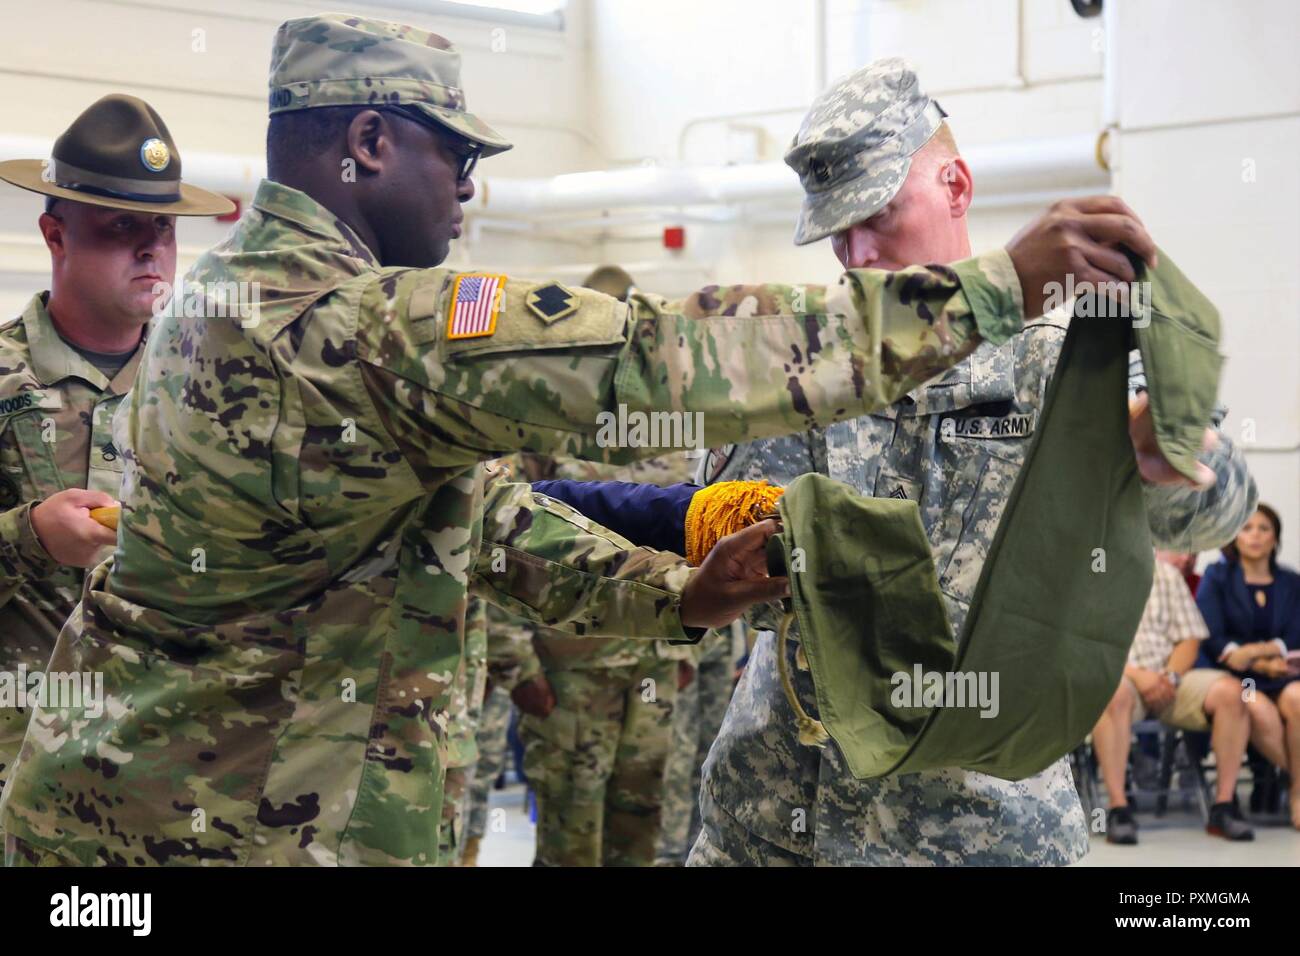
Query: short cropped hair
pixel 304 132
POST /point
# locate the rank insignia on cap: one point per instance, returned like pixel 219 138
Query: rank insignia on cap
pixel 155 155
pixel 552 302
pixel 475 302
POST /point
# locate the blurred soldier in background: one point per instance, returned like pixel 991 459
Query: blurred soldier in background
pixel 462 740
pixel 506 634
pixel 701 707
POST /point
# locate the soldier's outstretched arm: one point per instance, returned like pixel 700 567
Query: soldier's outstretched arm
pixel 1191 520
pixel 650 515
pixel 549 563
pixel 570 371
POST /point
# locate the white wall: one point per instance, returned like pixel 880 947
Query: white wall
pixel 1208 106
pixel 682 81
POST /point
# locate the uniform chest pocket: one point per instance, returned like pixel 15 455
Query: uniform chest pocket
pixel 28 468
pixel 978 493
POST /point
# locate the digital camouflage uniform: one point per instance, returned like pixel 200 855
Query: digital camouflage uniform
pixel 281 628
pixel 56 413
pixel 701 707
pixel 954 447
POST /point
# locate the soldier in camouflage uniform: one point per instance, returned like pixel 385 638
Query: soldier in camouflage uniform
pixel 68 360
pixel 597 719
pixel 953 446
pixel 505 633
pixel 304 508
pixel 462 759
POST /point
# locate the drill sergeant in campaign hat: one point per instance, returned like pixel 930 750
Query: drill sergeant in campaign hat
pixel 282 626
pixel 113 191
pixel 883 180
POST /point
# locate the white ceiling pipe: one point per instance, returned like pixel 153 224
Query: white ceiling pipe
pixel 572 193
pixel 1003 169
pixel 1028 166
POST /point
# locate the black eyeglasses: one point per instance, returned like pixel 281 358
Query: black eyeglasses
pixel 466 152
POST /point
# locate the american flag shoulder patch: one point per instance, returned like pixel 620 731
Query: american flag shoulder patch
pixel 475 302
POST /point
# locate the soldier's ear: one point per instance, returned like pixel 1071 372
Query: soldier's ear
pixel 52 230
pixel 370 140
pixel 960 186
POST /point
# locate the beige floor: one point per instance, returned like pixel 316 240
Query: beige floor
pixel 510 836
pixel 1179 840
pixel 1176 840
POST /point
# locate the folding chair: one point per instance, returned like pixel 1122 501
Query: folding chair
pixel 1173 744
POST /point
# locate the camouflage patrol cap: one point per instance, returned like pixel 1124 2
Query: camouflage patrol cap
pixel 855 146
pixel 335 59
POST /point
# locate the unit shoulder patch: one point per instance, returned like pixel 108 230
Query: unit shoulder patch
pixel 552 302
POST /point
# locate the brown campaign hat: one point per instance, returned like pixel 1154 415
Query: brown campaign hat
pixel 118 153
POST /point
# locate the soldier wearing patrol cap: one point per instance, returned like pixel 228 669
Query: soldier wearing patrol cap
pixel 113 187
pixel 883 179
pixel 295 689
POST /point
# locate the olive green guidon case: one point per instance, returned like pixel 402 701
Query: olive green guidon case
pixel 1061 591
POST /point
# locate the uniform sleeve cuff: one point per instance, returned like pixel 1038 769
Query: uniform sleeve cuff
pixel 992 288
pixel 18 538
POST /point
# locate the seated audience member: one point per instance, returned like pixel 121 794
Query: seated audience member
pixel 1160 681
pixel 1251 605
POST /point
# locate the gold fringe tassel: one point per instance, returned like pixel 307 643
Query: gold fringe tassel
pixel 718 510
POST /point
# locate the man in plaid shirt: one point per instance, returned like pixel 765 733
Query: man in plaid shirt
pixel 1159 680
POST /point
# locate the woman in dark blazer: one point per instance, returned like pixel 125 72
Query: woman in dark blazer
pixel 1251 605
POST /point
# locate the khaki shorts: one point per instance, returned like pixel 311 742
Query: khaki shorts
pixel 1187 712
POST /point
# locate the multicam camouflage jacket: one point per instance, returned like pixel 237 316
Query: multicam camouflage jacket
pixel 280 630
pixel 56 414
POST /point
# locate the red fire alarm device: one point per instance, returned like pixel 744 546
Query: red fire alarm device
pixel 674 237
pixel 234 215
